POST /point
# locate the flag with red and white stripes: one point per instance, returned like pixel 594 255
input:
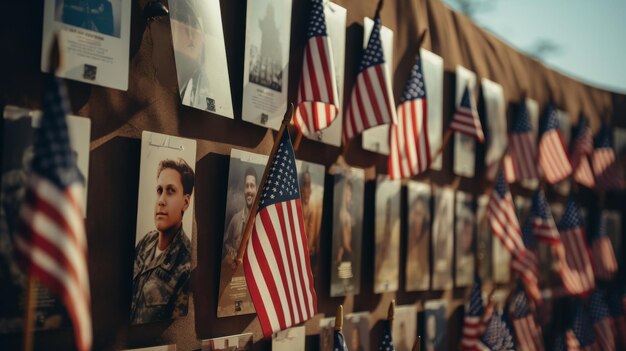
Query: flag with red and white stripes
pixel 603 326
pixel 475 319
pixel 604 162
pixel 318 102
pixel 465 119
pixel 604 261
pixel 505 226
pixel 575 267
pixel 408 143
pixel 371 103
pixel 276 261
pixel 542 220
pixel 522 152
pixel 527 332
pixel 552 155
pixel 581 148
pixel 51 242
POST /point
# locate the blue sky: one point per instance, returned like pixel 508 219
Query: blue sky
pixel 591 35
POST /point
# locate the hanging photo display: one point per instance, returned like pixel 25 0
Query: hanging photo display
pixel 484 239
pixel 376 139
pixel 19 128
pixel 435 325
pixel 200 55
pixel 432 64
pixel 345 278
pixel 464 145
pixel 289 339
pixel 241 342
pixel 418 241
pixel 266 62
pixel 163 251
pixel 464 229
pixel 311 181
pixel 495 125
pixel 443 227
pixel 404 328
pixel 387 257
pixel 93 39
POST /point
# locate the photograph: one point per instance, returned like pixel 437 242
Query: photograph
pixel 163 249
pixel 311 182
pixel 443 235
pixel 93 39
pixel 495 125
pixel 345 277
pixel 464 146
pixel 244 176
pixel 241 342
pixel 465 225
pixel 327 332
pixel 387 256
pixel 356 331
pixel 432 65
pixel 19 128
pixel 533 112
pixel 200 56
pixel 266 62
pixel 404 328
pixel 418 241
pixel 289 339
pixel 434 329
pixel 484 238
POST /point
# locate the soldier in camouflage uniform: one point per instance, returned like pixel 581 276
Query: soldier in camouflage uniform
pixel 163 256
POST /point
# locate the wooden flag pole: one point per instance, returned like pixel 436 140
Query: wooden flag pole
pixel 416 346
pixel 339 318
pixel 296 144
pixel 391 313
pixel 246 234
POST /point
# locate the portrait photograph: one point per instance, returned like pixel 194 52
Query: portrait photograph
pixel 387 256
pixel 356 331
pixel 241 342
pixel 311 182
pixel 345 277
pixel 484 238
pixel 200 55
pixel 404 328
pixel 495 125
pixel 289 339
pixel 465 225
pixel 18 138
pixel 266 62
pixel 418 241
pixel 327 330
pixel 432 65
pixel 163 239
pixel 434 329
pixel 443 235
pixel 464 146
pixel 244 177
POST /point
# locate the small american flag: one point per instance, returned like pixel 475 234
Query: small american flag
pixel 51 242
pixel 552 155
pixel 387 343
pixel 465 119
pixel 473 322
pixel 339 342
pixel 409 147
pixel 542 220
pixel 604 261
pixel 505 226
pixel 605 166
pixel 603 325
pixel 497 335
pixel 575 268
pixel 371 102
pixel 276 261
pixel 580 336
pixel 527 332
pixel 522 148
pixel 582 147
pixel 317 93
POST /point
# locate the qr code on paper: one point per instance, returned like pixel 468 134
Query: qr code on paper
pixel 89 72
pixel 210 104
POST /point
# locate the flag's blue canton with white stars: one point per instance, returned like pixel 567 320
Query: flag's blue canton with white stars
pixel 282 179
pixel 53 154
pixel 339 342
pixel 528 234
pixel 520 303
pixel 604 139
pixel 415 88
pixel 540 206
pixel 497 335
pixel 387 343
pixel 476 307
pixel 550 121
pixel 465 100
pixel 317 23
pixel 500 187
pixel 373 54
pixel 522 120
pixel 571 218
pixel 582 325
pixel 598 309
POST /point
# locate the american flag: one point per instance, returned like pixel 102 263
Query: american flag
pixel 387 343
pixel 616 309
pixel 575 268
pixel 51 242
pixel 605 166
pixel 603 325
pixel 276 261
pixel 317 93
pixel 465 119
pixel 505 226
pixel 581 149
pixel 552 155
pixel 527 332
pixel 497 335
pixel 409 148
pixel 522 148
pixel 474 322
pixel 339 342
pixel 371 102
pixel 542 220
pixel 603 255
pixel 580 336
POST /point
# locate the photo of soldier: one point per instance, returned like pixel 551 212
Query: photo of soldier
pixel 311 181
pixel 418 242
pixel 387 256
pixel 435 325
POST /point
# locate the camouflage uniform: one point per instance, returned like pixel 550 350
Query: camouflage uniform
pixel 161 284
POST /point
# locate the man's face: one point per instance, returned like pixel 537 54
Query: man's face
pixel 250 190
pixel 305 192
pixel 170 201
pixel 188 37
